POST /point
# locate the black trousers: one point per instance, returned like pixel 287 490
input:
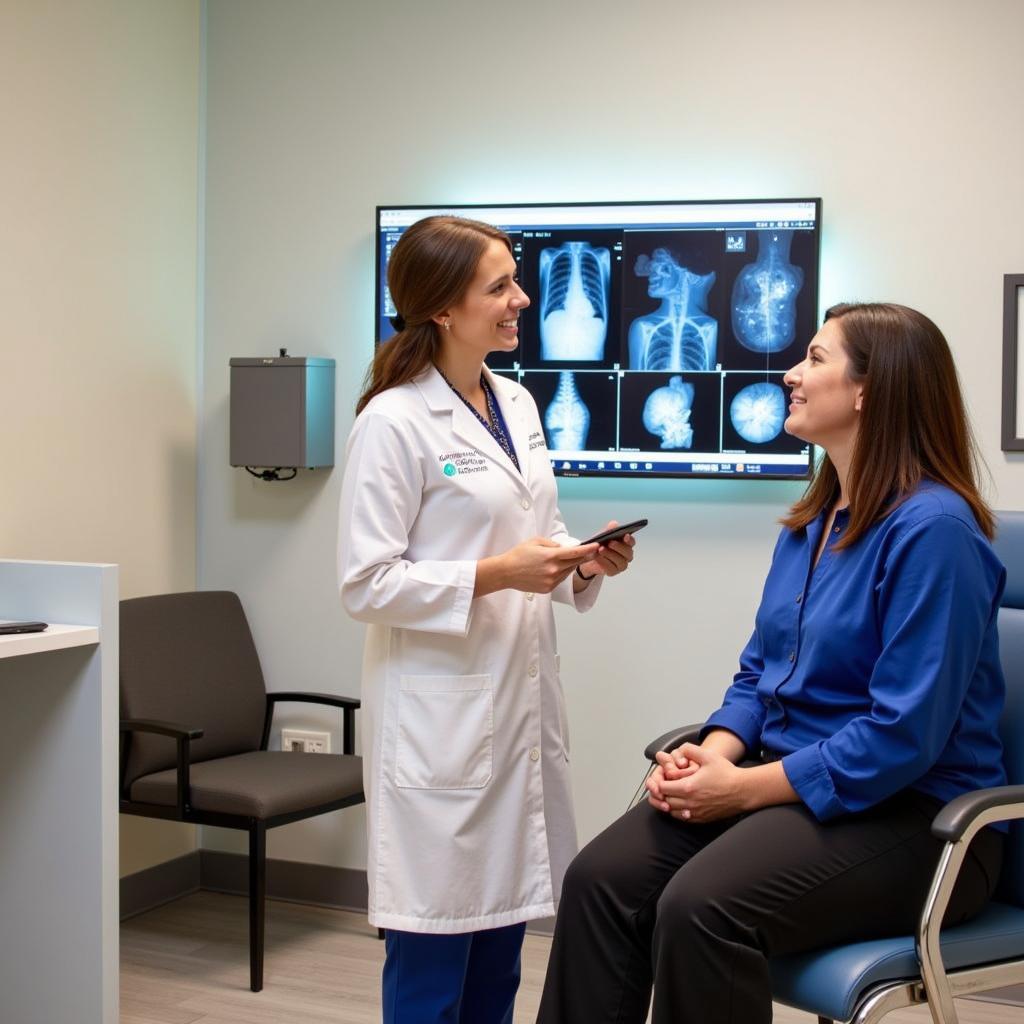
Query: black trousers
pixel 695 911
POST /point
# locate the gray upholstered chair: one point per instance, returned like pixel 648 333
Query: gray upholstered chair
pixel 195 724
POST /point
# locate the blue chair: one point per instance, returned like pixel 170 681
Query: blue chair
pixel 861 982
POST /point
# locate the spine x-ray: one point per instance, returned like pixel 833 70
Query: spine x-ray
pixel 764 295
pixel 567 419
pixel 679 334
pixel 758 412
pixel 575 280
pixel 667 414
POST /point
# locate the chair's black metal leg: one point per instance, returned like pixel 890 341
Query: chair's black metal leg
pixel 380 933
pixel 257 894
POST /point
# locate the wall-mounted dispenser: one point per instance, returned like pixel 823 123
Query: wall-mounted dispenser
pixel 282 414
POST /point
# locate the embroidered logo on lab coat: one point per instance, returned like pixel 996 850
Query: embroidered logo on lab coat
pixel 468 461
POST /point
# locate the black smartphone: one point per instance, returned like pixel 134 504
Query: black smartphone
pixel 21 627
pixel 616 533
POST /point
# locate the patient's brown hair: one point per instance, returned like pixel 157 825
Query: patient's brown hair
pixel 913 425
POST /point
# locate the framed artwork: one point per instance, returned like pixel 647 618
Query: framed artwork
pixel 1013 362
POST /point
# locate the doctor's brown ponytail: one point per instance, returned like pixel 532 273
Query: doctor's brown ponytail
pixel 431 267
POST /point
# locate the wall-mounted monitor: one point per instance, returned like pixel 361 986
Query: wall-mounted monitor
pixel 658 333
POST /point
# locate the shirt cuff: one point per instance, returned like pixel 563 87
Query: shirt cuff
pixel 739 721
pixel 462 608
pixel 808 775
pixel 583 600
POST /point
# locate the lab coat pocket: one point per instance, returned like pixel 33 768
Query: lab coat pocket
pixel 445 732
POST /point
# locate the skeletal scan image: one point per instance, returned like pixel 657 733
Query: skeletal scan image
pixel 764 295
pixel 758 412
pixel 667 414
pixel 566 419
pixel 679 334
pixel 575 280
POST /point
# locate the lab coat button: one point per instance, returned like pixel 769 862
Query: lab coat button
pixel 525 503
pixel 534 754
pixel 533 671
pixel 529 597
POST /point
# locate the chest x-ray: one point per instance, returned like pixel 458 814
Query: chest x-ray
pixel 679 334
pixel 567 419
pixel 764 295
pixel 758 412
pixel 575 280
pixel 667 414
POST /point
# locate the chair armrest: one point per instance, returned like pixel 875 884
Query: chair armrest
pixel 675 738
pixel 957 823
pixel 973 811
pixel 348 706
pixel 172 729
pixel 302 697
pixel 182 735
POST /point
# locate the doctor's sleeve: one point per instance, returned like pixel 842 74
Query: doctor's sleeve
pixel 564 592
pixel 380 500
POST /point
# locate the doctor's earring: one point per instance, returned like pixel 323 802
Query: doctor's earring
pixel 447 325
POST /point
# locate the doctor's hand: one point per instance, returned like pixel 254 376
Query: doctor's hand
pixel 611 558
pixel 536 566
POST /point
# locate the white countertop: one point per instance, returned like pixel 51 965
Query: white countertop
pixel 54 638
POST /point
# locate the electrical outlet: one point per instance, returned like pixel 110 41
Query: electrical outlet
pixel 298 740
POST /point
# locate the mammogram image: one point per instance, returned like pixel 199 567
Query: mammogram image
pixel 758 412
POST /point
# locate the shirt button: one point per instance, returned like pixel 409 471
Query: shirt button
pixel 533 671
pixel 529 597
pixel 792 655
pixel 534 754
pixel 525 503
pixel 835 529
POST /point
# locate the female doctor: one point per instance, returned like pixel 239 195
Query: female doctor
pixel 452 549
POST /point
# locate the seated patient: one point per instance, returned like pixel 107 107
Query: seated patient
pixel 867 697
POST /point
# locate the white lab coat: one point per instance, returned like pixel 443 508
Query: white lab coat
pixel 470 818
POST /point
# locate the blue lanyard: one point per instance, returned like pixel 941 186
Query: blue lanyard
pixel 497 428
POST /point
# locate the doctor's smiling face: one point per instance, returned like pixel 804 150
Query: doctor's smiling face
pixel 486 318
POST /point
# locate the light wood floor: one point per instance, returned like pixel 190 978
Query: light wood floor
pixel 187 963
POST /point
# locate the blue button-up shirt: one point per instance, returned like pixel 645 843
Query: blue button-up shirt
pixel 878 669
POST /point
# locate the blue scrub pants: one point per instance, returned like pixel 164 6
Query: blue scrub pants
pixel 469 978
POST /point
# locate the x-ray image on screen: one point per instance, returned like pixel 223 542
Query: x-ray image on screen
pixel 670 412
pixel 758 412
pixel 575 281
pixel 667 414
pixel 764 295
pixel 567 419
pixel 755 406
pixel 577 408
pixel 679 334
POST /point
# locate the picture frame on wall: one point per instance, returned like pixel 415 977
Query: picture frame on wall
pixel 1013 362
